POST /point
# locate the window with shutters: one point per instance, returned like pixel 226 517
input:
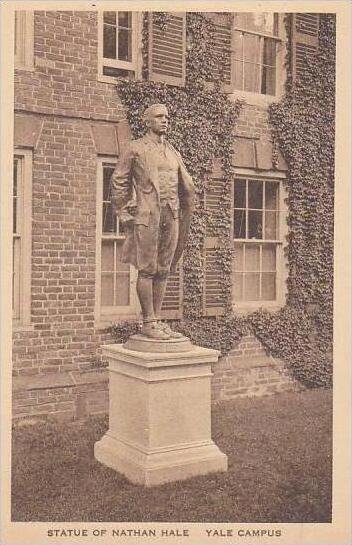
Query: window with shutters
pixel 250 54
pixel 118 44
pixel 21 248
pixel 116 297
pixel 23 39
pixel 259 228
pixel 255 41
pixel 120 47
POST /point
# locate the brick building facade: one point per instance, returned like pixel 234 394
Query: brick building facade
pixel 69 127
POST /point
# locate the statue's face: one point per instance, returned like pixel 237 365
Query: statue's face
pixel 158 120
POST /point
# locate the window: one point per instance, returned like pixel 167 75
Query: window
pixel 22 213
pixel 115 287
pixel 118 44
pixel 254 52
pixel 258 234
pixel 120 47
pixel 23 39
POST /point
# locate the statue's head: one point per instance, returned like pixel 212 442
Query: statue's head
pixel 156 118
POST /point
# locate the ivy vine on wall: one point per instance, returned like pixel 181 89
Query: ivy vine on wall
pixel 303 127
pixel 202 129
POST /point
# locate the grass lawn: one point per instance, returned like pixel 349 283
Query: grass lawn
pixel 279 451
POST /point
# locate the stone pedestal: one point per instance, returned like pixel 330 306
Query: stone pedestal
pixel 160 421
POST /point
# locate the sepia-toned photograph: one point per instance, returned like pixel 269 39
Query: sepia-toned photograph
pixel 170 216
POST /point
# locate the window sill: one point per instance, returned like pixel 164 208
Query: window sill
pixel 24 68
pixel 112 80
pixel 17 327
pixel 247 308
pixel 105 322
pixel 254 99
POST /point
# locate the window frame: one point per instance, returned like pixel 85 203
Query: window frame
pixel 281 260
pixel 24 39
pixel 280 70
pixel 135 65
pixel 105 316
pixel 25 235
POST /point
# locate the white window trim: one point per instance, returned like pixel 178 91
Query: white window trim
pixel 25 214
pixel 257 99
pixel 24 59
pixel 244 307
pixel 136 64
pixel 105 316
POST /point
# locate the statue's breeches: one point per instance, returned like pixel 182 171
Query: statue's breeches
pixel 151 248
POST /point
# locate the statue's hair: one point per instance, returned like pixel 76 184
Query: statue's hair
pixel 150 110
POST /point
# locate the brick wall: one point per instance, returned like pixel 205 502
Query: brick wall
pixel 64 80
pixel 253 122
pixel 64 93
pixel 248 370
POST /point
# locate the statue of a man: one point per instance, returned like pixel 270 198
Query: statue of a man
pixel 153 195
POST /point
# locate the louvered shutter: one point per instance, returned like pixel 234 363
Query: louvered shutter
pixel 222 48
pixel 213 300
pixel 167 50
pixel 172 303
pixel 305 29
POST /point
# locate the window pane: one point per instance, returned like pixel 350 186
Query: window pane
pixel 238 75
pixel 107 256
pixel 125 19
pixel 270 225
pixel 240 194
pixel 255 194
pixel 237 287
pixel 251 48
pixel 268 286
pixel 255 224
pixel 109 47
pixel 269 52
pixel 119 265
pixel 238 257
pixel 125 45
pixel 252 257
pixel 238 45
pixel 16 285
pixel 271 195
pixel 239 224
pixel 110 17
pixel 251 288
pixel 251 78
pixel 269 257
pixel 107 173
pixel 122 289
pixel 109 219
pixel 268 81
pixel 107 289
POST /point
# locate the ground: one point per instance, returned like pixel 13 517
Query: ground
pixel 280 456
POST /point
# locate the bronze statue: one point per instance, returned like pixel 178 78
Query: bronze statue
pixel 153 195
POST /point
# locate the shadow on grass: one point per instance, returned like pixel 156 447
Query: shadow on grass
pixel 279 451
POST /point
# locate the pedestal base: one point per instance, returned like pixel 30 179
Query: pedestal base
pixel 154 468
pixel 159 420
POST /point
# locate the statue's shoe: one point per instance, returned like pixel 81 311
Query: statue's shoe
pixel 167 329
pixel 152 330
